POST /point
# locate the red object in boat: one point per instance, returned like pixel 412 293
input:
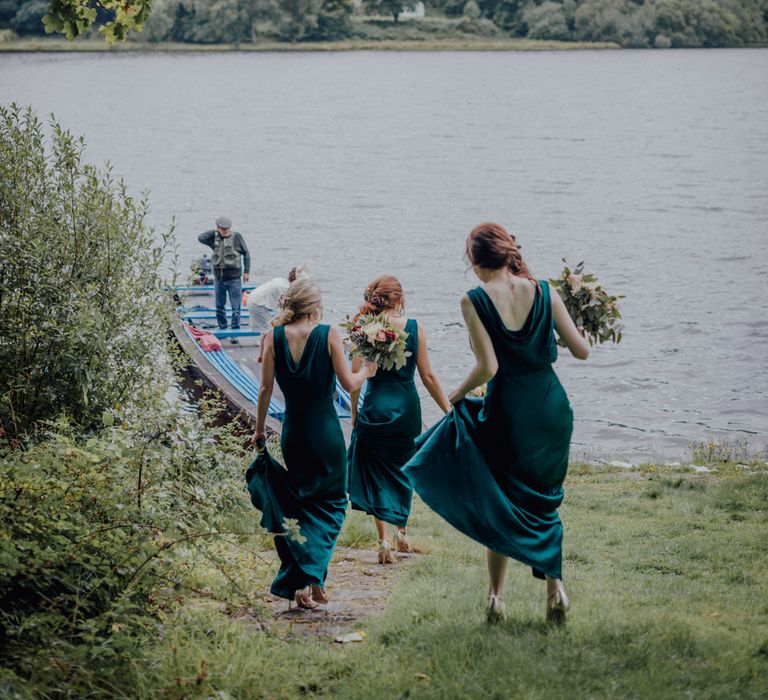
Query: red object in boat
pixel 208 342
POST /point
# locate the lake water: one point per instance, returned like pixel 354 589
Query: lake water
pixel 650 165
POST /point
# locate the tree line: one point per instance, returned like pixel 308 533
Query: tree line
pixel 630 23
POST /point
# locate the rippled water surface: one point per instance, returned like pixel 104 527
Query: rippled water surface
pixel 651 166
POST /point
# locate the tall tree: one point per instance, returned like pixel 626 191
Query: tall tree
pixel 389 7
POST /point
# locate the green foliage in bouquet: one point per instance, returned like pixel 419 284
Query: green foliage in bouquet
pixel 375 339
pixel 592 309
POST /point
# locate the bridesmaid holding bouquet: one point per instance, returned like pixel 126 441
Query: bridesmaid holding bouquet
pixel 494 468
pixel 389 421
pixel 304 355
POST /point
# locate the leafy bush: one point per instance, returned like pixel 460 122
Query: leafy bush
pixel 102 479
pixel 89 534
pixel 82 309
pixel 546 21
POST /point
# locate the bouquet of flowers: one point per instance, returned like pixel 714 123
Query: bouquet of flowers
pixel 375 339
pixel 592 309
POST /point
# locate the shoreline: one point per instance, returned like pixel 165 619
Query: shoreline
pixel 56 45
pixel 98 45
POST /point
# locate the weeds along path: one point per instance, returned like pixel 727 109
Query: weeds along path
pixel 358 588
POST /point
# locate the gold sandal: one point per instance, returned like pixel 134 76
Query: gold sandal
pixel 401 541
pixel 304 600
pixel 557 606
pixel 385 553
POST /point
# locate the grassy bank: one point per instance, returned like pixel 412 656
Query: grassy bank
pixel 458 44
pixel 667 573
pixel 366 34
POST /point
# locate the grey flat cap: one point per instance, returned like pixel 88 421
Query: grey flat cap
pixel 223 222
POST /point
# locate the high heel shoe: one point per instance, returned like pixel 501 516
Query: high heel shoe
pixel 557 606
pixel 402 545
pixel 385 553
pixel 495 611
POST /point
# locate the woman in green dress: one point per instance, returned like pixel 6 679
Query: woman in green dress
pixel 304 356
pixel 495 468
pixel 389 422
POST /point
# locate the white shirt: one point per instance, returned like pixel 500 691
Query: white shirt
pixel 269 293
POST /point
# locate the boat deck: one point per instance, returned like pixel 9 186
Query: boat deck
pixel 233 371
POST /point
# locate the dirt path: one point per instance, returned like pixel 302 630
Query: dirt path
pixel 358 587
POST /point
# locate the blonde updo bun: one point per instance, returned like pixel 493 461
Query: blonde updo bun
pixel 299 272
pixel 301 299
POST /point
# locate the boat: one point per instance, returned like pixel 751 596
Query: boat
pixel 232 371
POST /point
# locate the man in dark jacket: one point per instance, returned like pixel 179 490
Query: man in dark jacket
pixel 228 247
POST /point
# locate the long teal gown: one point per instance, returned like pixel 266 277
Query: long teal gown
pixel 494 468
pixel 383 440
pixel 312 487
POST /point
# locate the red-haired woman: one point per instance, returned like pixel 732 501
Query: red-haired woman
pixel 389 422
pixel 495 469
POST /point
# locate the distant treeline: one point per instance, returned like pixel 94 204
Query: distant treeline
pixel 630 23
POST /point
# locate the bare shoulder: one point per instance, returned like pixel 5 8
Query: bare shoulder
pixel 334 337
pixel 522 286
pixel 545 283
pixel 555 299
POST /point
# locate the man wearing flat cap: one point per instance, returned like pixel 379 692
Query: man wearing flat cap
pixel 228 247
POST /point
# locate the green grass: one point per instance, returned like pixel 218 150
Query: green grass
pixel 458 43
pixel 667 576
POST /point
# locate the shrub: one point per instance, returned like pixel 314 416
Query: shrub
pixel 101 478
pixel 546 21
pixel 89 537
pixel 82 309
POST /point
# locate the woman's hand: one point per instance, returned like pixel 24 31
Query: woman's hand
pixel 257 436
pixel 370 367
pixel 456 396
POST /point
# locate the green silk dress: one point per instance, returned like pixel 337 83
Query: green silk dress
pixel 312 487
pixel 383 440
pixel 494 468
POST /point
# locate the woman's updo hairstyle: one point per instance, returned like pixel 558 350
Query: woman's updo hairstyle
pixel 382 294
pixel 301 299
pixel 492 247
pixel 298 272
